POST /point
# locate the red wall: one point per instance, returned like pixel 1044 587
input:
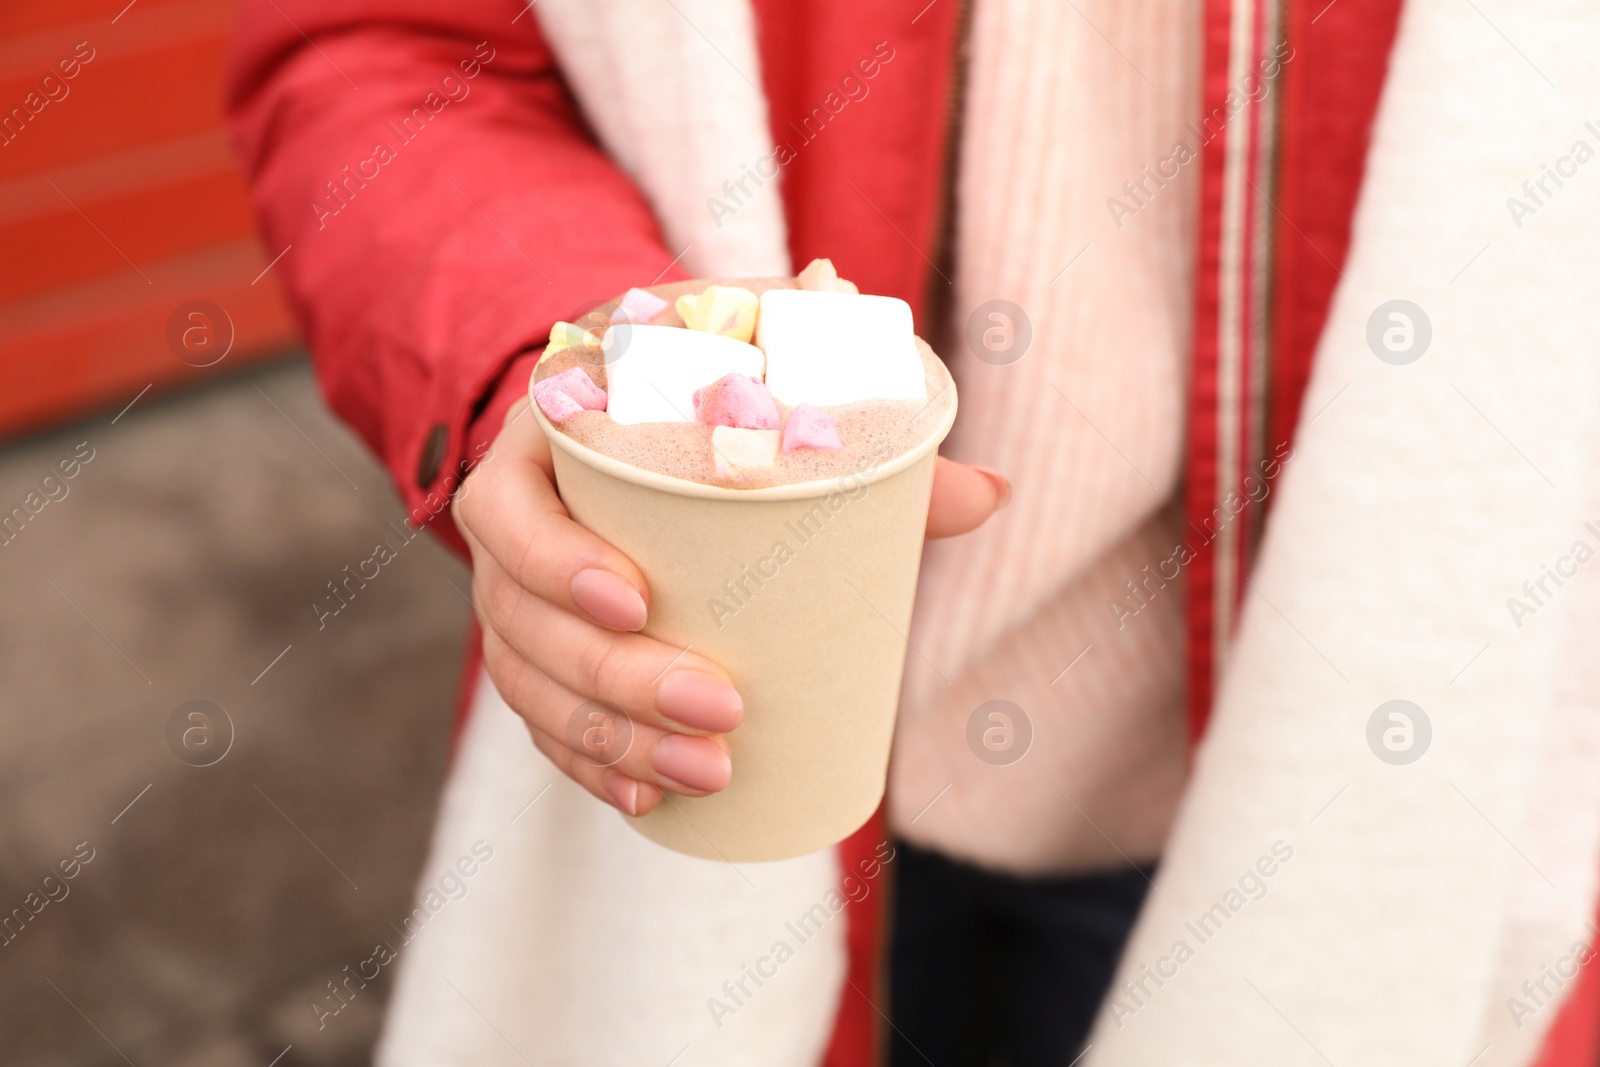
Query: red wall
pixel 119 202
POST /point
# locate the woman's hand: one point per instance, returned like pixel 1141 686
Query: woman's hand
pixel 560 607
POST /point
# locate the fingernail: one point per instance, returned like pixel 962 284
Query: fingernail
pixel 1002 485
pixel 623 791
pixel 607 599
pixel 692 761
pixel 699 701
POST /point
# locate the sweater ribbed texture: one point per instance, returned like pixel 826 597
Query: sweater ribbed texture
pixel 1064 104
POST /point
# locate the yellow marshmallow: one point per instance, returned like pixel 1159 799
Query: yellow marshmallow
pixel 724 309
pixel 821 277
pixel 565 335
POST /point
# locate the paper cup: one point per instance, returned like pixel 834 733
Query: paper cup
pixel 803 594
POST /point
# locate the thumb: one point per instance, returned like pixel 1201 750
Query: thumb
pixel 964 496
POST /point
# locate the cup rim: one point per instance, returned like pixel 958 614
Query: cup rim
pixel 666 483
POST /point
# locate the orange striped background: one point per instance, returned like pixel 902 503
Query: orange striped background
pixel 118 204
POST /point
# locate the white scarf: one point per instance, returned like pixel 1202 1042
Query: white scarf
pixel 1419 898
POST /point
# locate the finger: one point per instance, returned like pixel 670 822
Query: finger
pixel 655 683
pixel 519 407
pixel 964 496
pixel 509 509
pixel 628 795
pixel 633 781
pixel 597 736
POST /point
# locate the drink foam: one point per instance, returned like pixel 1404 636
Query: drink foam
pixel 873 431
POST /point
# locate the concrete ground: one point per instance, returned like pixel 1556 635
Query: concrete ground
pixel 217 900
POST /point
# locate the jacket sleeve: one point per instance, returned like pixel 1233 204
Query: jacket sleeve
pixel 438 202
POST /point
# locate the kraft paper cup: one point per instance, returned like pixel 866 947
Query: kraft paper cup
pixel 813 636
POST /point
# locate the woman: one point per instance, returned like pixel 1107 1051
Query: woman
pixel 1109 217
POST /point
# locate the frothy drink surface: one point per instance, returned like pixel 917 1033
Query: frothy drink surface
pixel 872 431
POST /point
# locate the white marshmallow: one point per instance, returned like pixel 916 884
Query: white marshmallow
pixel 653 371
pixel 837 348
pixel 738 449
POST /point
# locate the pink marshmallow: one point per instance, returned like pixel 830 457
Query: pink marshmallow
pixel 736 400
pixel 563 395
pixel 810 427
pixel 576 383
pixel 557 406
pixel 638 307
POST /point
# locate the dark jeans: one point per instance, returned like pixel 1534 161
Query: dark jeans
pixel 993 970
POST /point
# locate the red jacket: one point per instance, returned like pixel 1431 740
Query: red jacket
pixel 418 286
pixel 427 275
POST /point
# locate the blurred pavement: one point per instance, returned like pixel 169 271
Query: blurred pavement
pixel 181 563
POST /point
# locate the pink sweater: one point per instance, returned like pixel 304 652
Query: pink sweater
pixel 1036 608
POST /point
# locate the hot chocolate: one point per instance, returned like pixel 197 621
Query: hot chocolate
pixel 780 439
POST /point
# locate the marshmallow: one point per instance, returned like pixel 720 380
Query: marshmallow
pixel 837 348
pixel 565 335
pixel 820 277
pixel 577 384
pixel 736 400
pixel 723 309
pixel 557 406
pixel 738 450
pixel 810 427
pixel 638 306
pixel 653 371
pixel 563 395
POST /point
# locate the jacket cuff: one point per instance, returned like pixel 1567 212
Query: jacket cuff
pixel 467 413
pixel 466 418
